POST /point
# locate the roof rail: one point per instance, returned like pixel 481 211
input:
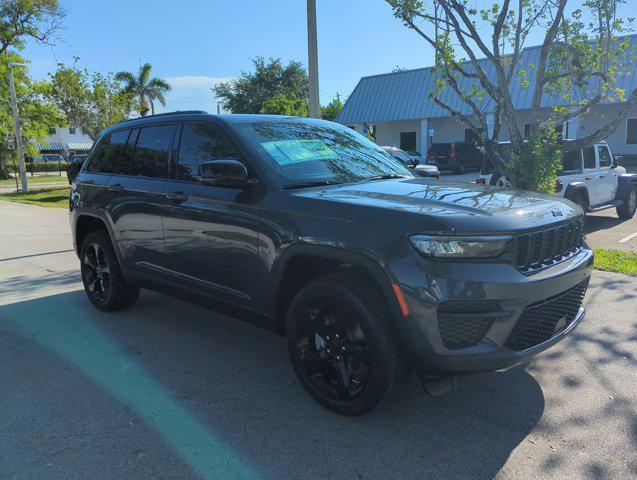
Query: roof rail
pixel 202 112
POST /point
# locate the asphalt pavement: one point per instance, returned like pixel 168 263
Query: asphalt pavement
pixel 168 390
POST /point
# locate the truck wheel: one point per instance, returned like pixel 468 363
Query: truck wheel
pixel 342 344
pixel 102 276
pixel 581 201
pixel 627 209
pixel 460 169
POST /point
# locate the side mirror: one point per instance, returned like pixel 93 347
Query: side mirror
pixel 224 173
pixel 73 170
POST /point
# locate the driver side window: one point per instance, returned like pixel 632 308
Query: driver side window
pixel 200 143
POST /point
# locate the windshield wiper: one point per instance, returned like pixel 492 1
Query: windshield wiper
pixel 318 183
pixel 386 176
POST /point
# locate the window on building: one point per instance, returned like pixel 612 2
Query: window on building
pixel 471 137
pixel 527 130
pixel 152 151
pixel 631 131
pixel 202 142
pixel 51 130
pixel 408 141
pixel 72 130
pixel 109 156
pixel 589 157
pixel 604 156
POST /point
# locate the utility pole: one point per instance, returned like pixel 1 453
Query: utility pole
pixel 312 54
pixel 18 129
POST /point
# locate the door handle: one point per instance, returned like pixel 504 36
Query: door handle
pixel 602 175
pixel 117 187
pixel 177 197
pixel 588 178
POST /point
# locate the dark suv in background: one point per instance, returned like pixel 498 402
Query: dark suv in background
pixel 310 230
pixel 455 156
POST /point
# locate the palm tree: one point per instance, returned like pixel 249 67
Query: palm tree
pixel 145 88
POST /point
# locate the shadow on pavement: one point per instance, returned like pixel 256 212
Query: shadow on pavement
pixel 594 223
pixel 167 389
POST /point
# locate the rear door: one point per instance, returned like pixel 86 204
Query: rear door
pixel 138 200
pixel 591 176
pixel 606 176
pixel 211 232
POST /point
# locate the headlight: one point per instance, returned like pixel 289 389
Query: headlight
pixel 460 247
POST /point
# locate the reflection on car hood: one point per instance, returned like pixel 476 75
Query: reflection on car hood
pixel 463 206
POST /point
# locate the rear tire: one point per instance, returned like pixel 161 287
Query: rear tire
pixel 627 209
pixel 102 276
pixel 342 344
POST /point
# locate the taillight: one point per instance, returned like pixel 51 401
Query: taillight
pixel 558 186
pixel 481 181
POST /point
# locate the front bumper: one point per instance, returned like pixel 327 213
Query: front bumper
pixel 426 285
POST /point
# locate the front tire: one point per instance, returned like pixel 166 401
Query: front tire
pixel 102 276
pixel 342 345
pixel 627 209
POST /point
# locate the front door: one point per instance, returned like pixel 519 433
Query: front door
pixel 211 232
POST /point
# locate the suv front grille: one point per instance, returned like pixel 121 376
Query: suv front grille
pixel 464 324
pixel 542 320
pixel 549 245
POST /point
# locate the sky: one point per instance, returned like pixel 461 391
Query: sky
pixel 194 44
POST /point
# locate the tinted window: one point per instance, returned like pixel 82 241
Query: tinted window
pixel 571 161
pixel 440 148
pixel 604 156
pixel 202 142
pixel 152 151
pixel 109 155
pixel 589 157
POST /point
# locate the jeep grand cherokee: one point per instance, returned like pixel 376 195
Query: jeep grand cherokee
pixel 309 229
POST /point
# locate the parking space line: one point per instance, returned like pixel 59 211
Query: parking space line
pixel 629 237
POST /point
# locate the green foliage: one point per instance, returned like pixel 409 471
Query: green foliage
pixel 24 19
pixel 288 104
pixel 37 114
pixel 535 165
pixel 144 88
pixel 332 109
pixel 250 92
pixel 616 261
pixel 92 101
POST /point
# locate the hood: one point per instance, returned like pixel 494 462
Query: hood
pixel 464 207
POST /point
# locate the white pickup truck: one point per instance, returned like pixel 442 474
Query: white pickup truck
pixel 589 177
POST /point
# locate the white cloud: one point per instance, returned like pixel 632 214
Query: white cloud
pixel 191 93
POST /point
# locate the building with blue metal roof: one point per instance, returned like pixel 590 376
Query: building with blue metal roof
pixel 403 114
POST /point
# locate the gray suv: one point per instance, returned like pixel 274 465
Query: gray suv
pixel 312 231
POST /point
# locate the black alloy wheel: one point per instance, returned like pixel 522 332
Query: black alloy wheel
pixel 102 276
pixel 342 343
pixel 332 349
pixel 96 272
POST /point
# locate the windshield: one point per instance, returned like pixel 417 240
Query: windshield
pixel 299 151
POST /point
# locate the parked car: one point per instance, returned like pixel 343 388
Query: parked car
pixel 455 156
pixel 309 229
pixel 415 155
pixel 48 157
pixel 412 163
pixel 591 178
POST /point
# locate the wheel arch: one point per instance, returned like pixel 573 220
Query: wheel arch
pixel 88 221
pixel 577 189
pixel 302 263
pixel 624 182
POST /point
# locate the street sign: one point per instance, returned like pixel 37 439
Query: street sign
pixel 432 131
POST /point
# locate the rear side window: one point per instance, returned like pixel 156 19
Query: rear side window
pixel 589 157
pixel 571 162
pixel 202 142
pixel 604 156
pixel 152 152
pixel 109 156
